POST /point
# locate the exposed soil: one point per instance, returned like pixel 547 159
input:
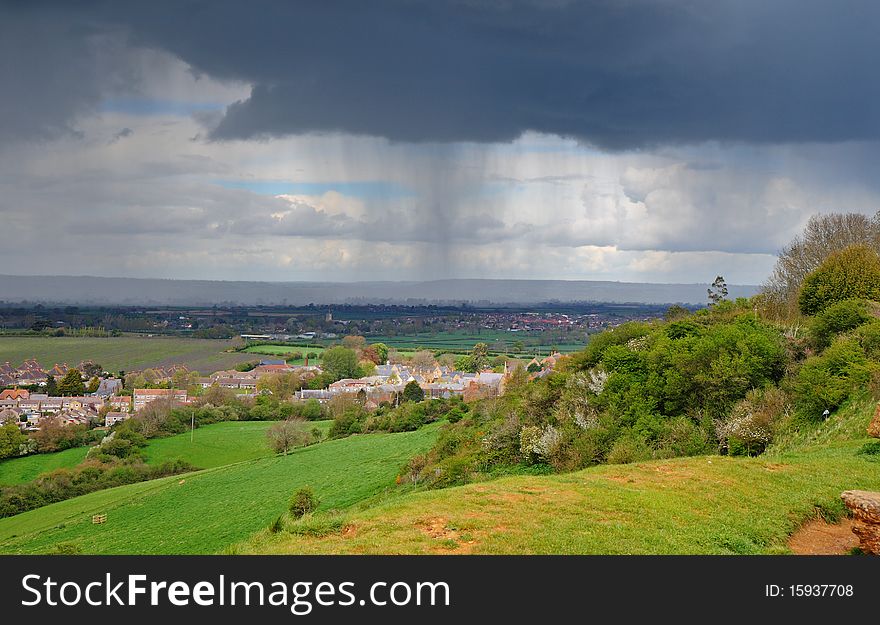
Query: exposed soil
pixel 451 542
pixel 818 538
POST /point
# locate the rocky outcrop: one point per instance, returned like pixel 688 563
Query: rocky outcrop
pixel 865 508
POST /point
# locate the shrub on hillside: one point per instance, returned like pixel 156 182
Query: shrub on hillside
pixel 868 336
pixel 825 382
pixel 851 273
pixel 629 448
pixel 752 423
pixel 836 319
pixel 303 502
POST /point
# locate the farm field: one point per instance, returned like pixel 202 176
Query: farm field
pixel 460 342
pixel 465 341
pixel 698 505
pixel 207 511
pixel 19 470
pixel 280 350
pixel 127 353
pixel 219 444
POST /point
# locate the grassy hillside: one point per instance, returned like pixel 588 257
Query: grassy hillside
pixel 19 470
pixel 218 444
pixel 125 352
pixel 206 511
pixel 211 446
pixel 699 505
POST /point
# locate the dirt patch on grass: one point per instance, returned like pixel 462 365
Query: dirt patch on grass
pixel 449 539
pixel 818 538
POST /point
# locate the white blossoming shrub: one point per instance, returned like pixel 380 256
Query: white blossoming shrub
pixel 529 436
pixel 575 401
pixel 752 422
pixel 638 343
pixel 540 442
pixel 598 378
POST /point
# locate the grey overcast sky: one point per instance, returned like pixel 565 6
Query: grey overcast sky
pixel 635 140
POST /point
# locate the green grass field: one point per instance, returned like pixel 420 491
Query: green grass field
pixel 211 446
pixel 19 470
pixel 458 342
pixel 699 505
pixel 215 508
pixel 218 444
pixel 280 350
pixel 127 353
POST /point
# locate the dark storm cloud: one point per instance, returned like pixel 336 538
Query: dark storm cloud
pixel 51 70
pixel 615 73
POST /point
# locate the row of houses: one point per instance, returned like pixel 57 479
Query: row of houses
pixel 247 380
pixel 20 406
pixel 389 381
pixel 32 373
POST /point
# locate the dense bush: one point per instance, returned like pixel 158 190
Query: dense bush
pixel 303 502
pixel 836 319
pixel 824 382
pixel 352 418
pixel 851 273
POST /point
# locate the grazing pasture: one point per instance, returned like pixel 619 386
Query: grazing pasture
pixel 206 511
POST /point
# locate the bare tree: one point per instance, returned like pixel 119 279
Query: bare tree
pixel 288 434
pixel 823 235
pixel 423 359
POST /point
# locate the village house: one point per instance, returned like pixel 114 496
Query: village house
pixel 10 415
pixel 109 387
pixel 144 396
pixel 15 393
pixel 112 418
pixel 120 403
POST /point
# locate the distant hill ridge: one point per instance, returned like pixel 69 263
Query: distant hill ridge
pixel 150 291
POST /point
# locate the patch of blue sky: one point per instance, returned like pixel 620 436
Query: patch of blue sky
pixel 367 189
pixel 147 106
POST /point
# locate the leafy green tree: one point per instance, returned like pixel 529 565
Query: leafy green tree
pixel 413 392
pixel 340 362
pixel 94 383
pixel 381 352
pixel 11 440
pixel 480 356
pixel 51 386
pixel 366 368
pixel 851 273
pixel 71 384
pixel 676 312
pixel 280 385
